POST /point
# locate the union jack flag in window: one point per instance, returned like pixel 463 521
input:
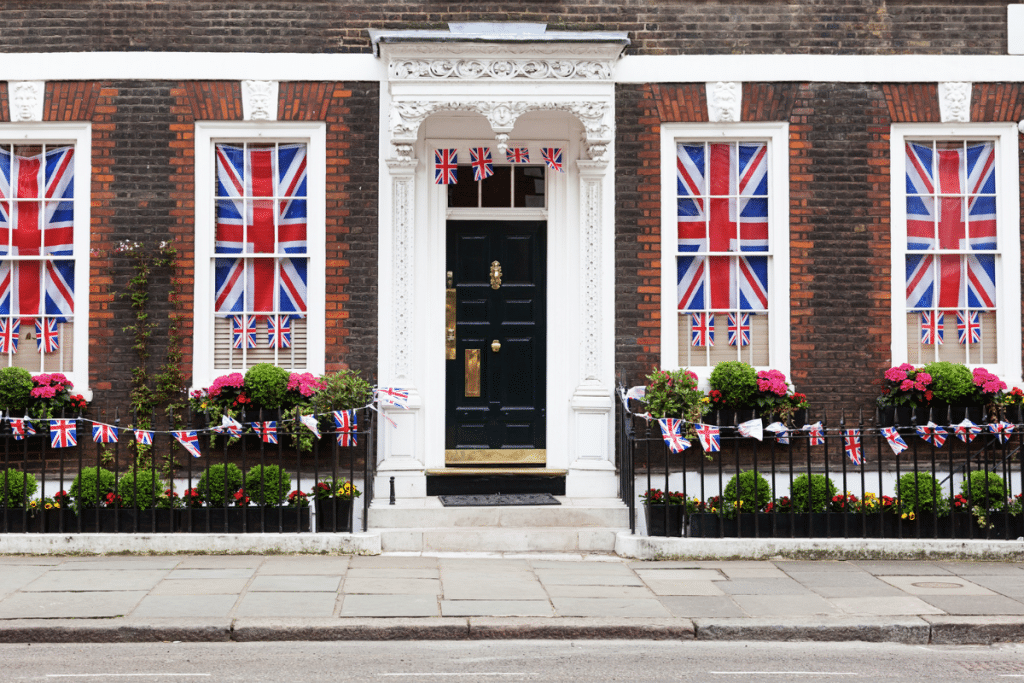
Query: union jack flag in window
pixel 279 331
pixel 260 229
pixel 931 327
pixel 967 326
pixel 10 329
pixel 739 329
pixel 702 329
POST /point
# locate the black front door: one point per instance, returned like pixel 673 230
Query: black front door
pixel 495 343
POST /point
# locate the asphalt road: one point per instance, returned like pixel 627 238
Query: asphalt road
pixel 508 661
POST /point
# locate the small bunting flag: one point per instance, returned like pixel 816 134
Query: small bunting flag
pixel 266 430
pixel 10 329
pixel 102 433
pixel 189 441
pixel 1002 430
pixel 552 157
pixel 702 326
pixel 851 439
pixel 391 396
pixel 229 426
pixel 709 437
pixel 780 430
pixel 243 331
pixel 482 163
pixel 279 331
pixel 967 431
pixel 751 429
pixel 63 433
pixel 47 336
pixel 814 431
pixel 967 327
pixel 311 424
pixel 347 423
pixel 22 427
pixel 931 327
pixel 446 166
pixel 517 155
pixel 932 433
pixel 895 441
pixel 672 433
pixel 143 437
pixel 739 329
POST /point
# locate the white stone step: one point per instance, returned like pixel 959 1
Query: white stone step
pixel 500 540
pixel 429 513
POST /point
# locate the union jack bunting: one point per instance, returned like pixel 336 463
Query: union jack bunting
pixel 967 326
pixel 967 431
pixel 1002 430
pixel 102 433
pixel 739 332
pixel 345 421
pixel 261 213
pixel 189 440
pixel 10 329
pixel 552 157
pixel 21 427
pixel 931 327
pixel 636 393
pixel 751 429
pixel 672 433
pixel 391 396
pixel 46 286
pixel 702 329
pixel 780 430
pixel 47 335
pixel 63 433
pixel 518 155
pixel 446 166
pixel 722 207
pixel 266 430
pixel 932 433
pixel 143 437
pixel 243 331
pixel 851 443
pixel 709 437
pixel 482 162
pixel 895 441
pixel 311 424
pixel 951 204
pixel 279 331
pixel 816 437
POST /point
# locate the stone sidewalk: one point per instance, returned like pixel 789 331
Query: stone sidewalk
pixel 318 597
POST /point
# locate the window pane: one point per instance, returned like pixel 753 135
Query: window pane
pixel 529 186
pixel 690 283
pixel 58 222
pixel 464 193
pixel 497 190
pixel 978 348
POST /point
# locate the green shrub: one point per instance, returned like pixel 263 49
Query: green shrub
pixel 985 490
pixel 13 485
pixel 266 386
pixel 15 389
pixel 812 492
pixel 140 489
pixel 218 484
pixel 267 485
pixel 91 486
pixel 952 383
pixel 674 393
pixel 737 383
pixel 920 492
pixel 345 390
pixel 753 495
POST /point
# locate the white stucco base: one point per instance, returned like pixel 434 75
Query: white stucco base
pixel 224 544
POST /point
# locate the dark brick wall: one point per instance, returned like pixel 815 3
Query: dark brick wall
pixel 655 27
pixel 840 268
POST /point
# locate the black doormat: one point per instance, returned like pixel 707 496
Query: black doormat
pixel 499 499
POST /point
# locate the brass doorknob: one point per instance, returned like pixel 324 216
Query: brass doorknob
pixel 495 346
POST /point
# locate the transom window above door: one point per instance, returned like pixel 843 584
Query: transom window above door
pixel 511 187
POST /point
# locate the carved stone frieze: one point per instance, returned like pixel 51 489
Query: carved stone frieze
pixel 500 69
pixel 724 99
pixel 402 192
pixel 955 102
pixel 259 100
pixel 26 100
pixel 590 268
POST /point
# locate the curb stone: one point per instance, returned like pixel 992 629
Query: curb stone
pixel 111 631
pixel 974 630
pixel 565 628
pixel 907 630
pixel 331 628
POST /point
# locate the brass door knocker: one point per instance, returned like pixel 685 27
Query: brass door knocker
pixel 495 275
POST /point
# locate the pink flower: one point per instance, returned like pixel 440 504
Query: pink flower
pixel 895 374
pixel 988 382
pixel 233 381
pixel 305 383
pixel 924 378
pixel 44 392
pixel 907 385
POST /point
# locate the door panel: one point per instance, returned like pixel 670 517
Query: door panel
pixel 509 412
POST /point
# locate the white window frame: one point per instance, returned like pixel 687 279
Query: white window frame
pixel 1008 317
pixel 777 137
pixel 207 133
pixel 79 135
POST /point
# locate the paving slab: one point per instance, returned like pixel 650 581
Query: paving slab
pixel 118 563
pixel 566 591
pixel 1008 569
pixel 184 606
pixel 287 605
pixel 784 605
pixel 585 577
pixel 390 606
pixel 824 578
pixel 94 580
pixel 496 608
pixel 38 560
pixel 974 604
pixel 305 565
pixel 200 587
pixel 884 606
pixel 763 587
pixel 212 573
pixel 684 587
pixel 701 606
pixel 766 572
pixel 15 577
pixel 489 564
pixel 909 630
pixel 877 590
pixel 398 562
pixel 684 574
pixel 936 585
pixel 393 586
pixel 392 573
pixel 601 607
pixel 69 605
pixel 897 567
pixel 1000 584
pixel 830 566
pixel 493 590
pixel 301 583
pixel 220 561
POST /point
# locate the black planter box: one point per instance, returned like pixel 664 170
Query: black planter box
pixel 748 525
pixel 656 520
pixel 704 525
pixel 123 521
pixel 904 415
pixel 828 525
pixel 334 514
pixel 925 525
pixel 1009 527
pixel 241 520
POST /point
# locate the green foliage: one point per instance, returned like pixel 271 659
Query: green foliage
pixel 266 385
pixel 218 484
pixel 753 493
pixel 91 486
pixel 16 487
pixel 142 488
pixel 345 390
pixel 920 492
pixel 985 490
pixel 674 394
pixel 15 389
pixel 952 383
pixel 737 383
pixel 812 493
pixel 267 485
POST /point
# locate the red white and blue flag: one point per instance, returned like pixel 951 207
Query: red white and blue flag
pixel 709 437
pixel 229 425
pixel 346 422
pixel 951 204
pixel 739 332
pixel 672 432
pixel 446 166
pixel 266 430
pixel 21 427
pixel 392 396
pixel 243 331
pixel 10 329
pixel 102 433
pixel 968 328
pixel 189 440
pixel 552 157
pixel 780 430
pixel 279 331
pixel 47 335
pixel 702 329
pixel 63 433
pixel 815 434
pixel 311 424
pixel 722 207
pixel 517 155
pixel 143 437
pixel 851 443
pixel 1002 430
pixel 931 327
pixel 482 162
pixel 932 433
pixel 896 442
pixel 967 431
pixel 261 213
pixel 37 228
